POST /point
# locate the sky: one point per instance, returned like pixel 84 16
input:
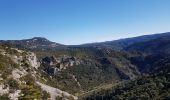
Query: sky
pixel 74 22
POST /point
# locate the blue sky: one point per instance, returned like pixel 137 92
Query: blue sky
pixel 82 21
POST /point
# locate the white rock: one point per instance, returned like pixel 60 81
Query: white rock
pixel 32 59
pixel 15 95
pixel 54 92
pixel 3 90
pixel 16 73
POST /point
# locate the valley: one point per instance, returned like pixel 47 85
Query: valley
pixel 132 68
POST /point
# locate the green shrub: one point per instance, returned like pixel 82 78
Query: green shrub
pixel 13 84
pixel 4 97
pixel 58 98
pixel 30 93
pixel 45 95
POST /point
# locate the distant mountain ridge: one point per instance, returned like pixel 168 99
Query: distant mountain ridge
pixel 34 43
pixel 41 43
pixel 122 43
pixel 159 45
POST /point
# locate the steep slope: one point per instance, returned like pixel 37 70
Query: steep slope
pixel 19 77
pixel 153 87
pixel 16 74
pixel 152 59
pixel 56 93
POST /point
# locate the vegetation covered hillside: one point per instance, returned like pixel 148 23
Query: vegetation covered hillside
pixel 152 60
pixel 19 77
pixel 156 86
pixel 159 45
pixel 16 77
pixel 36 43
pixel 91 67
pixel 123 43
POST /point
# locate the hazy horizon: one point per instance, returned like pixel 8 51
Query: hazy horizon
pixel 73 22
pixel 87 42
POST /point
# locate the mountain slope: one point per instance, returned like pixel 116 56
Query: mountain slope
pixel 61 70
pixel 82 69
pixel 20 78
pixel 154 86
pixel 160 45
pixel 122 43
pixel 152 59
pixel 36 43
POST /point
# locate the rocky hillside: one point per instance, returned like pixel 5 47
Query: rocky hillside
pixel 19 77
pixel 36 43
pixel 82 69
pixel 76 71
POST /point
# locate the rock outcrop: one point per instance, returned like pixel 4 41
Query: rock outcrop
pixel 54 64
pixel 19 73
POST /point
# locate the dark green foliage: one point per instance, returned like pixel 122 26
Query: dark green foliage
pixel 6 66
pixel 45 95
pixel 30 90
pixel 28 79
pixel 13 84
pixel 153 87
pixel 4 97
pixel 4 62
pixel 98 67
pixel 146 88
pixel 159 45
pixel 58 98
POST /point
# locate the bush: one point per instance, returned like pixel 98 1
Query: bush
pixel 30 93
pixel 4 97
pixel 45 95
pixel 58 98
pixel 13 84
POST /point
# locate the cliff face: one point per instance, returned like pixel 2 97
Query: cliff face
pixel 53 64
